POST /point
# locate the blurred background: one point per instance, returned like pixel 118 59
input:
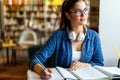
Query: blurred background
pixel 25 25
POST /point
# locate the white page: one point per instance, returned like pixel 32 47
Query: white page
pixel 56 75
pixel 65 73
pixel 110 71
pixel 89 73
pixel 34 76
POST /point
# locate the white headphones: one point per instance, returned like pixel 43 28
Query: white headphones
pixel 72 35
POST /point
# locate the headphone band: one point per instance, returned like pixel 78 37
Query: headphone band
pixel 72 35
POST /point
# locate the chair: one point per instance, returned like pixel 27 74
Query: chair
pixel 2 55
pixel 27 39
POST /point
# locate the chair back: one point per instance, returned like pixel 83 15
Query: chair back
pixel 28 37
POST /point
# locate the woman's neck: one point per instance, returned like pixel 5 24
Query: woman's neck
pixel 78 29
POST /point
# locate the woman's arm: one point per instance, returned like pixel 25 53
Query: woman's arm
pixel 44 53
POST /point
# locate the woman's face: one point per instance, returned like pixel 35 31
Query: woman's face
pixel 78 14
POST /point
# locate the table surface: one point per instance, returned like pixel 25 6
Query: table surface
pixel 5 45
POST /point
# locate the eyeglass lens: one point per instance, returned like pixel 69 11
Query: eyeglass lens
pixel 79 11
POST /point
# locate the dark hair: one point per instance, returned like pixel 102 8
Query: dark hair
pixel 66 6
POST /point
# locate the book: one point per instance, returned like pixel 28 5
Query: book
pixel 87 73
pixel 91 73
pixel 111 72
pixel 65 73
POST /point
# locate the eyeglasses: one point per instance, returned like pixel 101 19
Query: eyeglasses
pixel 79 12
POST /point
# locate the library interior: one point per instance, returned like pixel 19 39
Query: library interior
pixel 26 25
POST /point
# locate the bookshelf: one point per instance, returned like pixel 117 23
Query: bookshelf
pixel 94 15
pixel 21 14
pixel 1 19
pixel 39 15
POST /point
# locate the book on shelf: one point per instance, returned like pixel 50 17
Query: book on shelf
pixel 87 73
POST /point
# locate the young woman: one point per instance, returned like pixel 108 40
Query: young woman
pixel 74 44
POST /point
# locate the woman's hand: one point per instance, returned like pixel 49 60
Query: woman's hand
pixel 45 74
pixel 78 65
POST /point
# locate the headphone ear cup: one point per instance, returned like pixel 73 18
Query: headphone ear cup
pixel 81 37
pixel 72 35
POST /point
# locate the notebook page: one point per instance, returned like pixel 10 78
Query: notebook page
pixel 56 75
pixel 89 73
pixel 110 71
pixel 65 73
pixel 31 75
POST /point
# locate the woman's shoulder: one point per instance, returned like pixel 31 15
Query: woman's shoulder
pixel 92 33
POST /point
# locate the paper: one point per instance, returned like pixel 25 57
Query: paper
pixel 34 76
pixel 112 72
pixel 88 72
pixel 65 73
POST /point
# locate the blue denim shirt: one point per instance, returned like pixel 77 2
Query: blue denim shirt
pixel 60 45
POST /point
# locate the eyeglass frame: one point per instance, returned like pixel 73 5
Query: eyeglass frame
pixel 79 12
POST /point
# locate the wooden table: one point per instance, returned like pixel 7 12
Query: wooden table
pixel 7 46
pixel 18 50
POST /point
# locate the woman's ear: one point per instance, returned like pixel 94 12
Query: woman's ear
pixel 67 15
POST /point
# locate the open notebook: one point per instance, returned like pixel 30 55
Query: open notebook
pixel 88 73
pixel 111 72
pixel 31 75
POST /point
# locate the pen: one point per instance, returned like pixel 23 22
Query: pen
pixel 45 69
pixel 117 52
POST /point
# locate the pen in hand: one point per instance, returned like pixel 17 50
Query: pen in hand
pixel 45 70
pixel 45 74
